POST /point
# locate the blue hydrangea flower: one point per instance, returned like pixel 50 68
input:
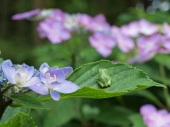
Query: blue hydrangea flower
pixel 20 75
pixel 53 80
pixel 3 79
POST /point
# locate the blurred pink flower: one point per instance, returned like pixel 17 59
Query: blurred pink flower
pixel 131 30
pixel 99 24
pixel 58 15
pixel 102 43
pixel 153 117
pixel 26 15
pixel 124 42
pixel 85 20
pixel 165 45
pixel 166 29
pixel 147 28
pixel 149 44
pixel 53 30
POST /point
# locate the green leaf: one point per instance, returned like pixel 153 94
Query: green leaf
pixel 116 115
pixel 20 120
pixel 137 120
pixel 60 112
pixel 9 113
pixel 163 59
pixel 27 101
pixel 124 80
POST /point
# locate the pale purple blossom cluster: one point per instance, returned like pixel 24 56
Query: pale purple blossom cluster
pixel 138 37
pixel 155 118
pixel 41 81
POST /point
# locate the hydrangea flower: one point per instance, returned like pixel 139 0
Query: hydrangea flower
pixel 99 24
pixel 147 28
pixel 71 22
pixel 3 79
pixel 102 43
pixel 22 76
pixel 26 15
pixel 53 30
pixel 166 29
pixel 53 80
pixel 85 20
pixel 124 42
pixel 153 117
pixel 131 30
pixel 149 44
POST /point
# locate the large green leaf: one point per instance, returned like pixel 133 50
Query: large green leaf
pixel 27 101
pixel 124 79
pixel 20 120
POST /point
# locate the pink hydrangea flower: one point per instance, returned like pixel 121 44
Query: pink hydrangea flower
pixel 125 43
pixel 85 20
pixel 53 30
pixel 166 29
pixel 26 15
pixel 131 30
pixel 165 45
pixel 155 118
pixel 147 28
pixel 99 24
pixel 102 43
pixel 149 44
pixel 58 15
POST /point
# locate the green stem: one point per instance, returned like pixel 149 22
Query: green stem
pixel 121 101
pixel 165 90
pixel 73 60
pixel 2 105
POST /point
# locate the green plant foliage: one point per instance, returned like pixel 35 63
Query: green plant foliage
pixel 137 120
pixel 60 113
pixel 116 115
pixel 19 120
pixel 153 73
pixel 9 113
pixel 163 59
pixel 27 101
pixel 147 94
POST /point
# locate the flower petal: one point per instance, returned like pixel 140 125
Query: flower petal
pixel 67 70
pixel 147 109
pixel 60 77
pixel 67 87
pixel 55 95
pixel 31 82
pixel 39 88
pixel 19 80
pixel 7 62
pixel 9 73
pixel 30 72
pixel 44 68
